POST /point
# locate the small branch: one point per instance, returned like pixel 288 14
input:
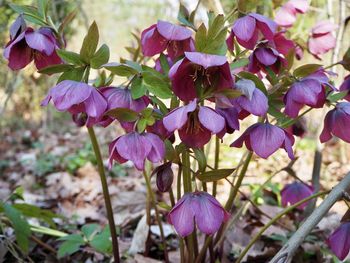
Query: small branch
pixel 287 252
pixel 43 244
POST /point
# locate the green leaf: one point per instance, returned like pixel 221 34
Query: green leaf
pixel 36 212
pixel 164 63
pixel 20 225
pixel 89 230
pixel 101 57
pixel 183 16
pixel 245 6
pixel 101 242
pixel 163 108
pixel 258 82
pixel 214 175
pixel 42 7
pixel 90 43
pixel 141 125
pixel 75 74
pixel 70 57
pixel 201 159
pixel 77 238
pixel 239 63
pixel 56 69
pixel 120 69
pixel 158 86
pixel 25 9
pixel 34 19
pixel 334 97
pixel 229 93
pixel 68 248
pixel 123 114
pixel 306 70
pixel 137 88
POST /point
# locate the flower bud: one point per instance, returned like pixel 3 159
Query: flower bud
pixel 165 177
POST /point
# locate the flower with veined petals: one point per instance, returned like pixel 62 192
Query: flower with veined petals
pixel 322 38
pixel 136 148
pixel 345 86
pixel 337 123
pixel 166 36
pixel 264 139
pixel 194 124
pixel 339 241
pixel 199 73
pixel 77 97
pixel 198 208
pixel 310 91
pixel 30 44
pixel 249 29
pixel 286 15
pixel 295 192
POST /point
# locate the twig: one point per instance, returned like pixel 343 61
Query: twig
pixel 287 252
pixel 44 245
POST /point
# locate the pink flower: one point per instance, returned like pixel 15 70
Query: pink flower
pixel 286 15
pixel 322 39
pixel 339 241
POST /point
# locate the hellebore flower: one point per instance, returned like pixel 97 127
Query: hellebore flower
pixel 199 73
pixel 282 44
pixel 264 139
pixel 310 91
pixel 166 36
pixel 231 120
pixel 299 128
pixel 286 15
pixel 295 192
pixel 339 241
pixel 159 129
pixel 337 123
pixel 30 44
pixel 322 38
pixel 165 177
pixel 345 86
pixel 194 124
pixel 77 97
pixel 248 29
pixel 136 148
pixel 200 208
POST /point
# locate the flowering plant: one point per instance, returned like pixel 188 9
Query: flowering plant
pixel 188 84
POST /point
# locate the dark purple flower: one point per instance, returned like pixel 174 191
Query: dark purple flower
pixel 295 192
pixel 199 73
pixel 166 36
pixel 310 91
pixel 249 29
pixel 322 38
pixel 77 97
pixel 345 86
pixel 136 148
pixel 159 129
pixel 264 139
pixel 286 15
pixel 194 124
pixel 39 45
pixel 337 123
pixel 165 177
pixel 339 241
pixel 282 44
pixel 200 208
pixel 299 128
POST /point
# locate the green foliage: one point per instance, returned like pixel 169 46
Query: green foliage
pixel 214 175
pixel 84 155
pixel 123 114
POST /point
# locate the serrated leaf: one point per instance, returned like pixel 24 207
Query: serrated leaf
pixel 137 88
pixel 214 175
pixel 101 57
pixel 120 69
pixel 90 43
pixel 123 114
pixel 306 70
pixel 258 82
pixel 56 69
pixel 70 57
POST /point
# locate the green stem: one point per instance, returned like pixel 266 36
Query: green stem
pixel 274 219
pixel 216 161
pixel 178 184
pixel 106 196
pixel 153 200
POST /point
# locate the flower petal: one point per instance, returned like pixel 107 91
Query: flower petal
pixel 244 28
pixel 339 241
pixel 173 32
pixel 177 118
pixel 152 42
pixel 205 60
pixel 158 148
pixel 211 120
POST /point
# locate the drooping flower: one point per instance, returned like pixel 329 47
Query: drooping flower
pixel 194 124
pixel 322 38
pixel 282 44
pixel 231 119
pixel 286 15
pixel 136 148
pixel 77 97
pixel 337 123
pixel 166 36
pixel 198 74
pixel 30 44
pixel 339 241
pixel 345 86
pixel 198 208
pixel 165 177
pixel 264 139
pixel 310 91
pixel 249 29
pixel 295 192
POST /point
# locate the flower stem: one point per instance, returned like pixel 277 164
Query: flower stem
pixel 106 196
pixel 274 219
pixel 216 161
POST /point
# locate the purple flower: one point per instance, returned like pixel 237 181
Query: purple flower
pixel 322 39
pixel 30 44
pixel 295 192
pixel 286 15
pixel 165 177
pixel 310 91
pixel 166 36
pixel 345 86
pixel 337 123
pixel 339 241
pixel 200 208
pixel 136 148
pixel 194 124
pixel 264 139
pixel 77 97
pixel 199 73
pixel 249 29
pixel 299 128
pixel 231 120
pixel 282 44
